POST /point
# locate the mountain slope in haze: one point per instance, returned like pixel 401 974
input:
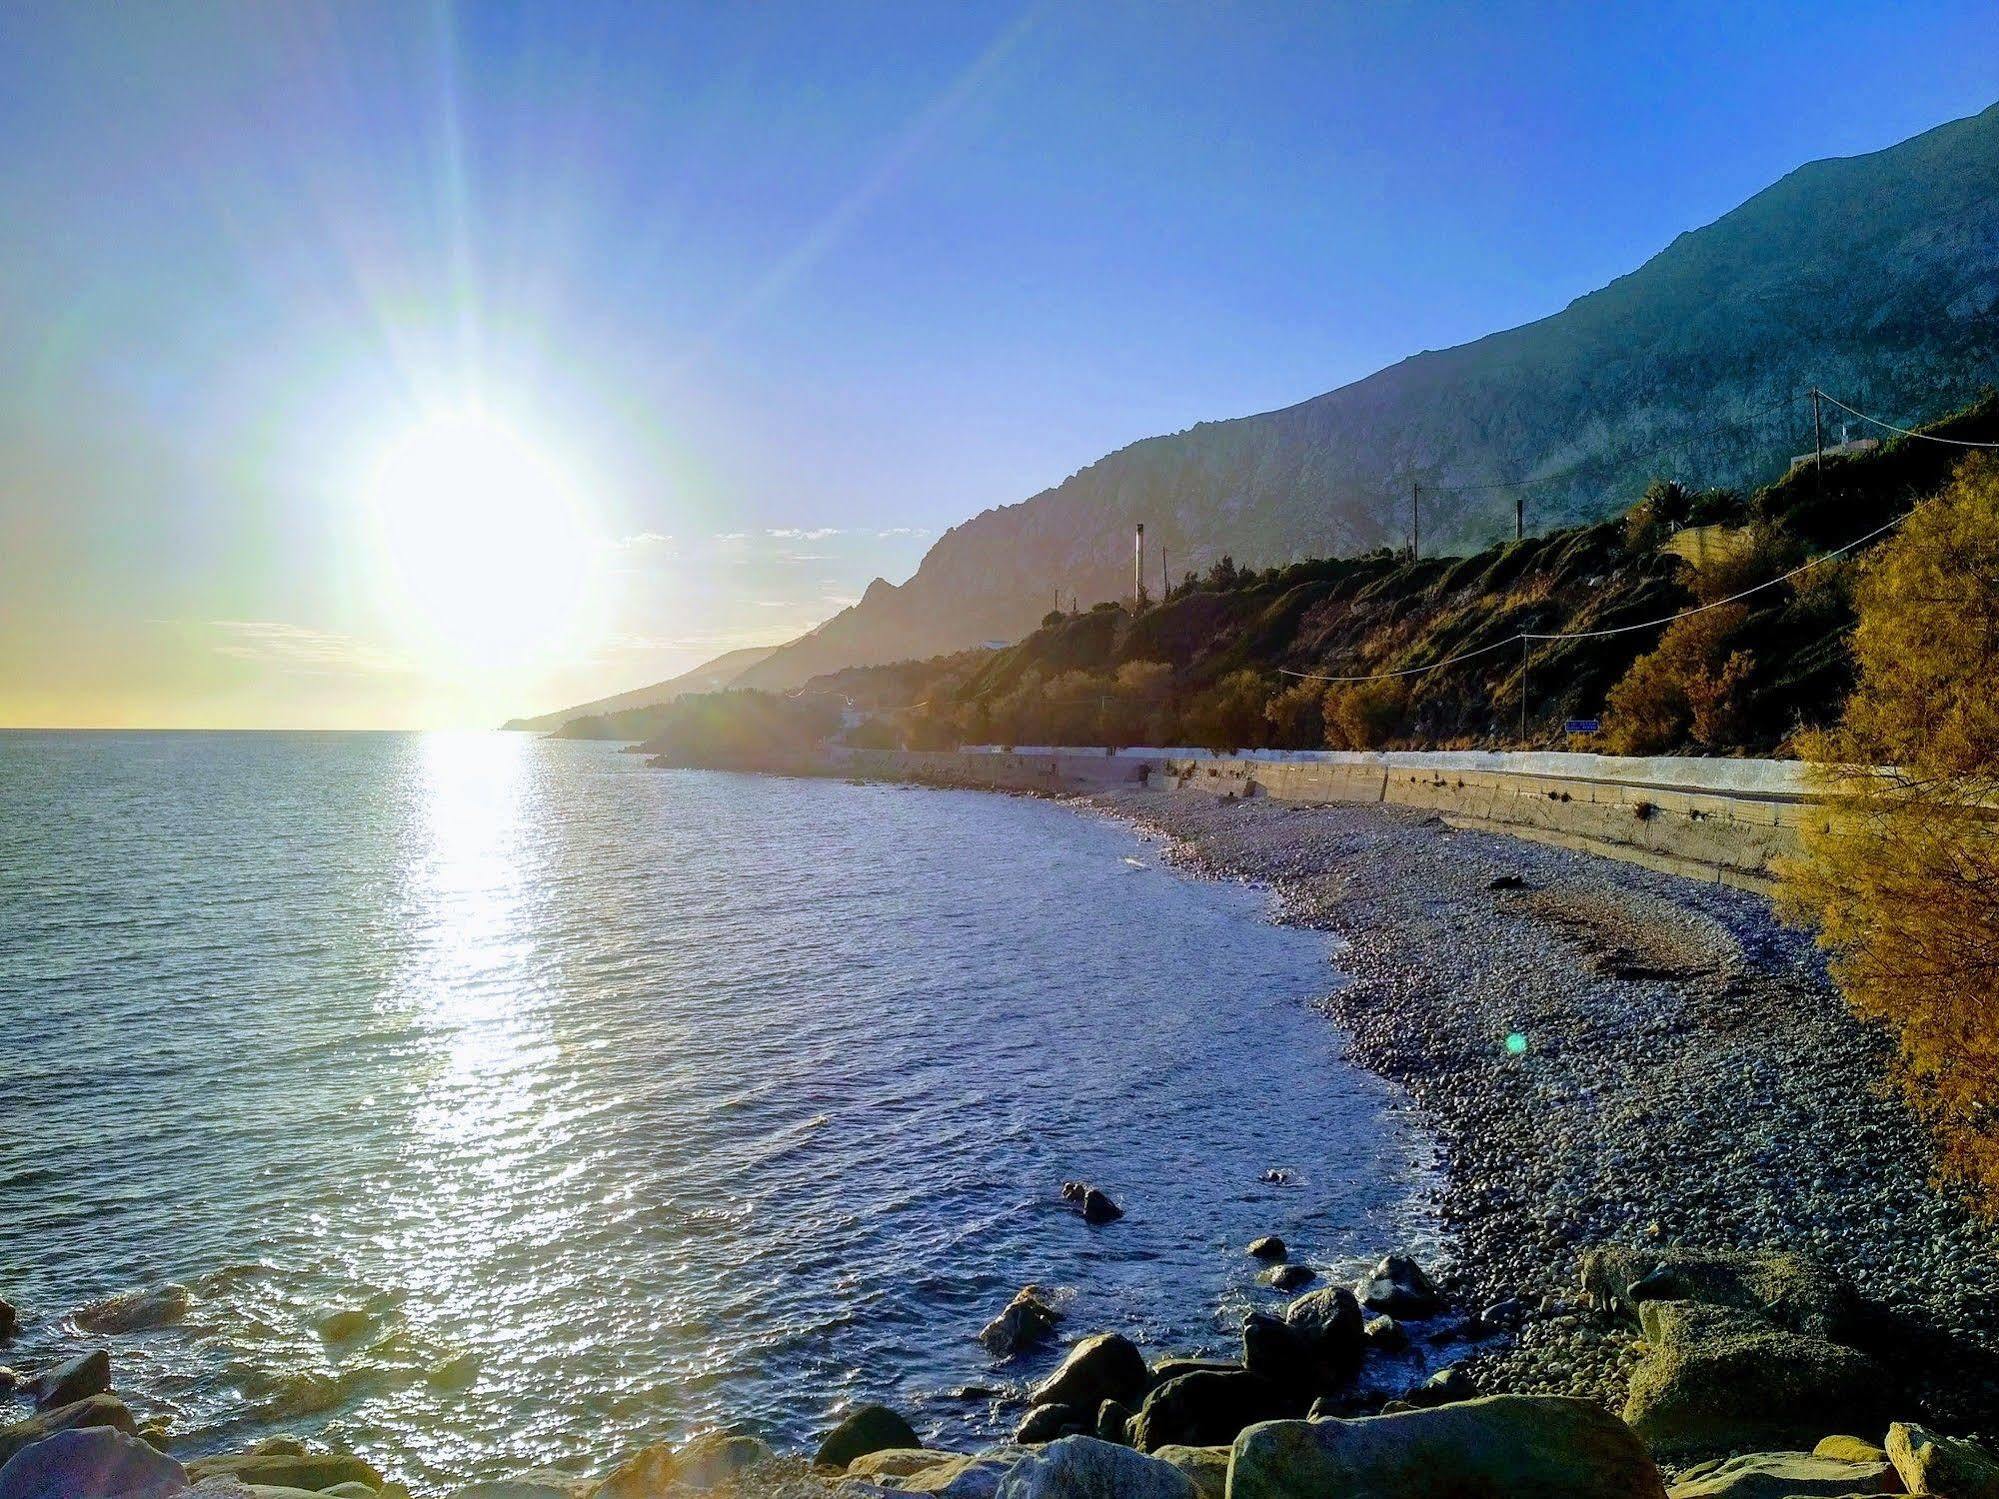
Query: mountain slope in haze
pixel 710 676
pixel 1873 277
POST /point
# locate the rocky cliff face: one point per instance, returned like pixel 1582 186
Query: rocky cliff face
pixel 1873 277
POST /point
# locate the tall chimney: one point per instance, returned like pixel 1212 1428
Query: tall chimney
pixel 1138 562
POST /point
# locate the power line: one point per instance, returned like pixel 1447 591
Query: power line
pixel 1955 442
pixel 1666 619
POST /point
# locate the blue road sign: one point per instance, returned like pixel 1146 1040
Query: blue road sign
pixel 1582 726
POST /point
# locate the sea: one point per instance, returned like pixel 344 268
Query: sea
pixel 482 1101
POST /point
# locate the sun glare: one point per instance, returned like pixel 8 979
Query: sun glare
pixel 484 543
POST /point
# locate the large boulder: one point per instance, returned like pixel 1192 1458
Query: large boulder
pixel 1792 1291
pixel 1085 1468
pixel 72 1380
pixel 91 1463
pixel 1331 1321
pixel 1784 1475
pixel 1044 1423
pixel 1105 1366
pixel 1932 1464
pixel 1716 1379
pixel 965 1476
pixel 1027 1322
pixel 286 1470
pixel 1280 1353
pixel 1173 1368
pixel 97 1411
pixel 1398 1286
pixel 1113 1423
pixel 895 1462
pixel 867 1429
pixel 1269 1247
pixel 10 1320
pixel 1209 1407
pixel 1544 1446
pixel 1206 1467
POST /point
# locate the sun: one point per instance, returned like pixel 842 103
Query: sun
pixel 483 543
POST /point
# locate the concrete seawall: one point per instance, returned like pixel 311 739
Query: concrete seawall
pixel 1721 820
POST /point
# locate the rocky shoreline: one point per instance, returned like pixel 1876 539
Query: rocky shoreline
pixel 1693 1245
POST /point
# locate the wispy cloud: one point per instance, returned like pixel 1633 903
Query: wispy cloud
pixel 893 531
pixel 794 533
pixel 306 652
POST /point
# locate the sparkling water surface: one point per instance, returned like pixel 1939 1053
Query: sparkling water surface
pixel 502 1101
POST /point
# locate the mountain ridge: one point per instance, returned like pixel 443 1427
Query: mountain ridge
pixel 1891 308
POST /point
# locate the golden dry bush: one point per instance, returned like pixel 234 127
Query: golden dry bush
pixel 1688 687
pixel 1901 877
pixel 1365 715
pixel 1296 719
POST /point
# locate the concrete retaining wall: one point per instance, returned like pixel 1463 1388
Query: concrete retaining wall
pixel 1723 820
pixel 1675 822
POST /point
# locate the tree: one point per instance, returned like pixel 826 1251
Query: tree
pixel 1296 721
pixel 1229 715
pixel 1660 511
pixel 1689 686
pixel 1136 697
pixel 1365 715
pixel 1052 618
pixel 1901 876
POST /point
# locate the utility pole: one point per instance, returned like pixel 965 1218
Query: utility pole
pixel 1165 577
pixel 1138 564
pixel 1415 522
pixel 1818 448
pixel 1520 515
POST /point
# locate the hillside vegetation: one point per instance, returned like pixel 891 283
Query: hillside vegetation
pixel 1206 666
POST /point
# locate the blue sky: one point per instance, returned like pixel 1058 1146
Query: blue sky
pixel 850 273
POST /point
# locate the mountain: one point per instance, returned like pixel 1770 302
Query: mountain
pixel 1874 277
pixel 710 676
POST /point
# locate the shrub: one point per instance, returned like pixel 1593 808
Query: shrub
pixel 1052 618
pixel 1766 551
pixel 1296 717
pixel 1902 875
pixel 1365 715
pixel 1229 716
pixel 1689 686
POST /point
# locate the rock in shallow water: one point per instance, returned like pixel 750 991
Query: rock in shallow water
pixel 72 1380
pixel 1104 1366
pixel 1398 1286
pixel 1290 1277
pixel 134 1311
pixel 1027 1322
pixel 1269 1247
pixel 871 1428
